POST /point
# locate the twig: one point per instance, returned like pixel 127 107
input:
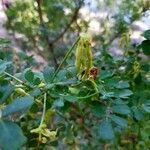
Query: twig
pixel 88 96
pixel 44 110
pixel 50 45
pixel 15 78
pixel 74 17
pixel 64 59
pixel 18 80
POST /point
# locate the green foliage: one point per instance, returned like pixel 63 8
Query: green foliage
pixel 106 130
pixel 147 34
pixel 42 22
pixel 53 108
pixel 9 131
pixel 73 109
pixel 19 104
pixel 145 45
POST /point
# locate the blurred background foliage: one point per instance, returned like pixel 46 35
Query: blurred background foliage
pixel 49 27
pixel 43 30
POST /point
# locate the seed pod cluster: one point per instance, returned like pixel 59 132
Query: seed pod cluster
pixel 83 61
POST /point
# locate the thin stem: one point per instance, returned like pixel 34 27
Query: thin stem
pixel 83 97
pixel 88 96
pixel 18 80
pixel 42 23
pixel 44 110
pixel 64 59
pixel 14 77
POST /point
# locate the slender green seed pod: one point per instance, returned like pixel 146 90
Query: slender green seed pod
pixel 21 91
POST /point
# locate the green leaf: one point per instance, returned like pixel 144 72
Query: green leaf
pixel 61 76
pixel 71 72
pixel 35 92
pixel 11 136
pixel 36 81
pixel 29 75
pixel 70 98
pixel 50 86
pixel 121 109
pixel 120 121
pixel 98 109
pixel 122 84
pixel 124 93
pixel 58 103
pixel 105 74
pixel 74 90
pixel 119 101
pixel 38 75
pixel 145 132
pixel 3 66
pixel 138 114
pixel 5 91
pixel 67 82
pixel 18 105
pixel 112 82
pixel 147 34
pixel 146 107
pixel 105 130
pixel 107 95
pixel 48 73
pixel 117 83
pixel 146 47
